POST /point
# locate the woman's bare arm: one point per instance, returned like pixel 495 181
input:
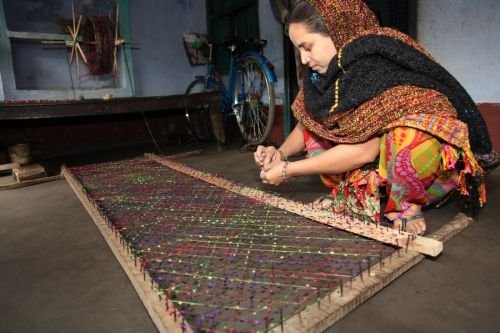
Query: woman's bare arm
pixel 338 159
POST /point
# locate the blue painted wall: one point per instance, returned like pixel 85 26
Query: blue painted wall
pixel 462 35
pixel 161 66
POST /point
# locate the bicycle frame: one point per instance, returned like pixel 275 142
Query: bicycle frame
pixel 212 80
pixel 249 95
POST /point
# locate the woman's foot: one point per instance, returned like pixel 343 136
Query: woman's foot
pixel 324 202
pixel 413 224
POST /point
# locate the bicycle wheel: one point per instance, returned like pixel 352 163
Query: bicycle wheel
pixel 254 106
pixel 198 118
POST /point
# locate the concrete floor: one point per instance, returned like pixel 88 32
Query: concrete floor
pixel 57 274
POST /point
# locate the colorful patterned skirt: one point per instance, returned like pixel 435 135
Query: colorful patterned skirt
pixel 413 171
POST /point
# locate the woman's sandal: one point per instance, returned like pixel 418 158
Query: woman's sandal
pixel 405 221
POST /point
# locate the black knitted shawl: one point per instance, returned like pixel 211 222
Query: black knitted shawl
pixel 372 64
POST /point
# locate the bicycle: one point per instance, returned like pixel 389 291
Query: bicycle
pixel 250 97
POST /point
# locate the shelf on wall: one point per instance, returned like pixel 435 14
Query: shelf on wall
pixel 37 35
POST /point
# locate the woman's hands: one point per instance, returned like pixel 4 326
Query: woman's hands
pixel 336 160
pixel 267 157
pixel 272 167
pixel 275 174
pixel 271 160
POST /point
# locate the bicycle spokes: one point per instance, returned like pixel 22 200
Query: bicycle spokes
pixel 255 102
pixel 250 97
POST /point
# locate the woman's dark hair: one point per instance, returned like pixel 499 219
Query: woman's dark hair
pixel 306 14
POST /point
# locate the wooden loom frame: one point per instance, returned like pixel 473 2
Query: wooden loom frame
pixel 316 317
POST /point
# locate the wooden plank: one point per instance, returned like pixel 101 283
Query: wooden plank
pixel 186 154
pixel 154 305
pixel 95 107
pixel 29 182
pixel 8 166
pixel 457 224
pixel 29 172
pixel 336 305
pixel 37 35
pixel 428 246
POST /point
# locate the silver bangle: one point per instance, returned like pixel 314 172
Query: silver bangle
pixel 283 172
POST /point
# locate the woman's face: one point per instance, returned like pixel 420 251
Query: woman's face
pixel 316 50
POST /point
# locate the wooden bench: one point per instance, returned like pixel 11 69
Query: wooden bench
pixel 118 106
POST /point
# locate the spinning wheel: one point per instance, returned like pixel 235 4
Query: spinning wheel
pixel 101 41
pixel 98 44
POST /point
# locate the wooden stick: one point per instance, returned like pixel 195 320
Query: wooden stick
pixel 57 42
pixel 81 52
pixel 73 14
pixel 25 183
pixel 77 67
pixel 186 154
pixel 115 51
pixel 73 46
pixel 78 26
pixel 450 229
pixel 385 235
